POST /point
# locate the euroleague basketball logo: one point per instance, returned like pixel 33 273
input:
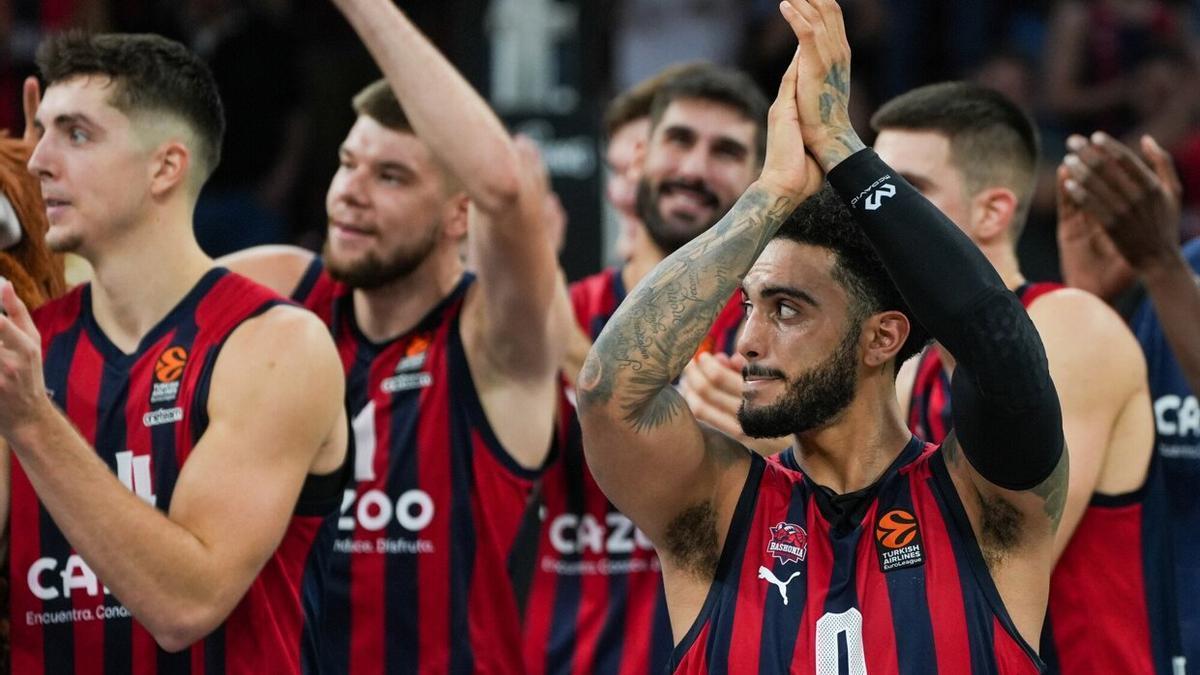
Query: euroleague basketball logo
pixel 409 374
pixel 898 541
pixel 168 370
pixel 789 543
pixel 170 364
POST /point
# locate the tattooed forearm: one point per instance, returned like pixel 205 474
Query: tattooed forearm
pixel 657 329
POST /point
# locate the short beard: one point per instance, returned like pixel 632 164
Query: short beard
pixel 813 400
pixel 373 271
pixel 668 238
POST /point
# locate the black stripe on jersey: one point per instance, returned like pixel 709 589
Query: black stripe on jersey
pixel 214 652
pixel 611 641
pixel 567 591
pixel 724 588
pixel 781 623
pixel 916 652
pixel 308 280
pixel 111 438
pixel 403 571
pixel 1158 563
pixel 336 618
pixel 462 524
pixel 662 641
pixel 58 644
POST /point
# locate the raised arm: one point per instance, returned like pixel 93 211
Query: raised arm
pixel 1007 414
pixel 1138 206
pixel 514 259
pixel 644 447
pixel 275 414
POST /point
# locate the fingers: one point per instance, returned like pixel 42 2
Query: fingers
pixel 18 314
pixel 1162 164
pixel 785 100
pixel 14 339
pixel 30 100
pixel 1123 170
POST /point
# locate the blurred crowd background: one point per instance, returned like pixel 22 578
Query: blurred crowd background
pixel 288 68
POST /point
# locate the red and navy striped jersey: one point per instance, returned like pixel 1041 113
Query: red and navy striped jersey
pixel 1112 607
pixel 418 578
pixel 1108 611
pixel 144 413
pixel 595 602
pixel 888 579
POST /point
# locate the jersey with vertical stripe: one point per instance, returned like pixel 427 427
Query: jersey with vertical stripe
pixel 595 602
pixel 889 579
pixel 1177 422
pixel 144 413
pixel 418 578
pixel 1110 593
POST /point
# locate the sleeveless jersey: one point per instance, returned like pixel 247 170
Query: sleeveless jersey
pixel 1177 421
pixel 889 579
pixel 418 579
pixel 1109 616
pixel 144 413
pixel 595 602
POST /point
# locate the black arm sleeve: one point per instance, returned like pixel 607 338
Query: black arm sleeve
pixel 1006 411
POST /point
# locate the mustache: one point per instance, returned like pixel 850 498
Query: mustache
pixel 754 370
pixel 697 186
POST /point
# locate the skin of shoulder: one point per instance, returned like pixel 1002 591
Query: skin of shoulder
pixel 277 267
pixel 1100 374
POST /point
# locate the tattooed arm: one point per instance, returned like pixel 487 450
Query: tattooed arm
pixel 647 452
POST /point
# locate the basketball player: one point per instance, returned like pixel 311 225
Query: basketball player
pixel 595 592
pixel 1119 237
pixel 452 377
pixel 863 549
pixel 973 154
pixel 177 433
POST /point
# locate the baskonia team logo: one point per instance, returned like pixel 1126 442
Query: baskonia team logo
pixel 789 543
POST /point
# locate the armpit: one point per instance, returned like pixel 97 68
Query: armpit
pixel 691 541
pixel 1000 528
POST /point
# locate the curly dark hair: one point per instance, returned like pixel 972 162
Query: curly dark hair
pixel 824 220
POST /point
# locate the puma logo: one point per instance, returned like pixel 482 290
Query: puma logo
pixel 764 573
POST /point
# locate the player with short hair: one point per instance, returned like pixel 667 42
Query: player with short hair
pixel 175 454
pixel 595 589
pixel 864 549
pixel 973 153
pixel 452 376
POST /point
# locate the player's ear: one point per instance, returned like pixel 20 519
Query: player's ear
pixel 171 165
pixel 884 335
pixel 455 212
pixel 992 213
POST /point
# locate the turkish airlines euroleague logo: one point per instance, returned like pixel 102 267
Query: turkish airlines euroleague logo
pixel 168 370
pixel 898 541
